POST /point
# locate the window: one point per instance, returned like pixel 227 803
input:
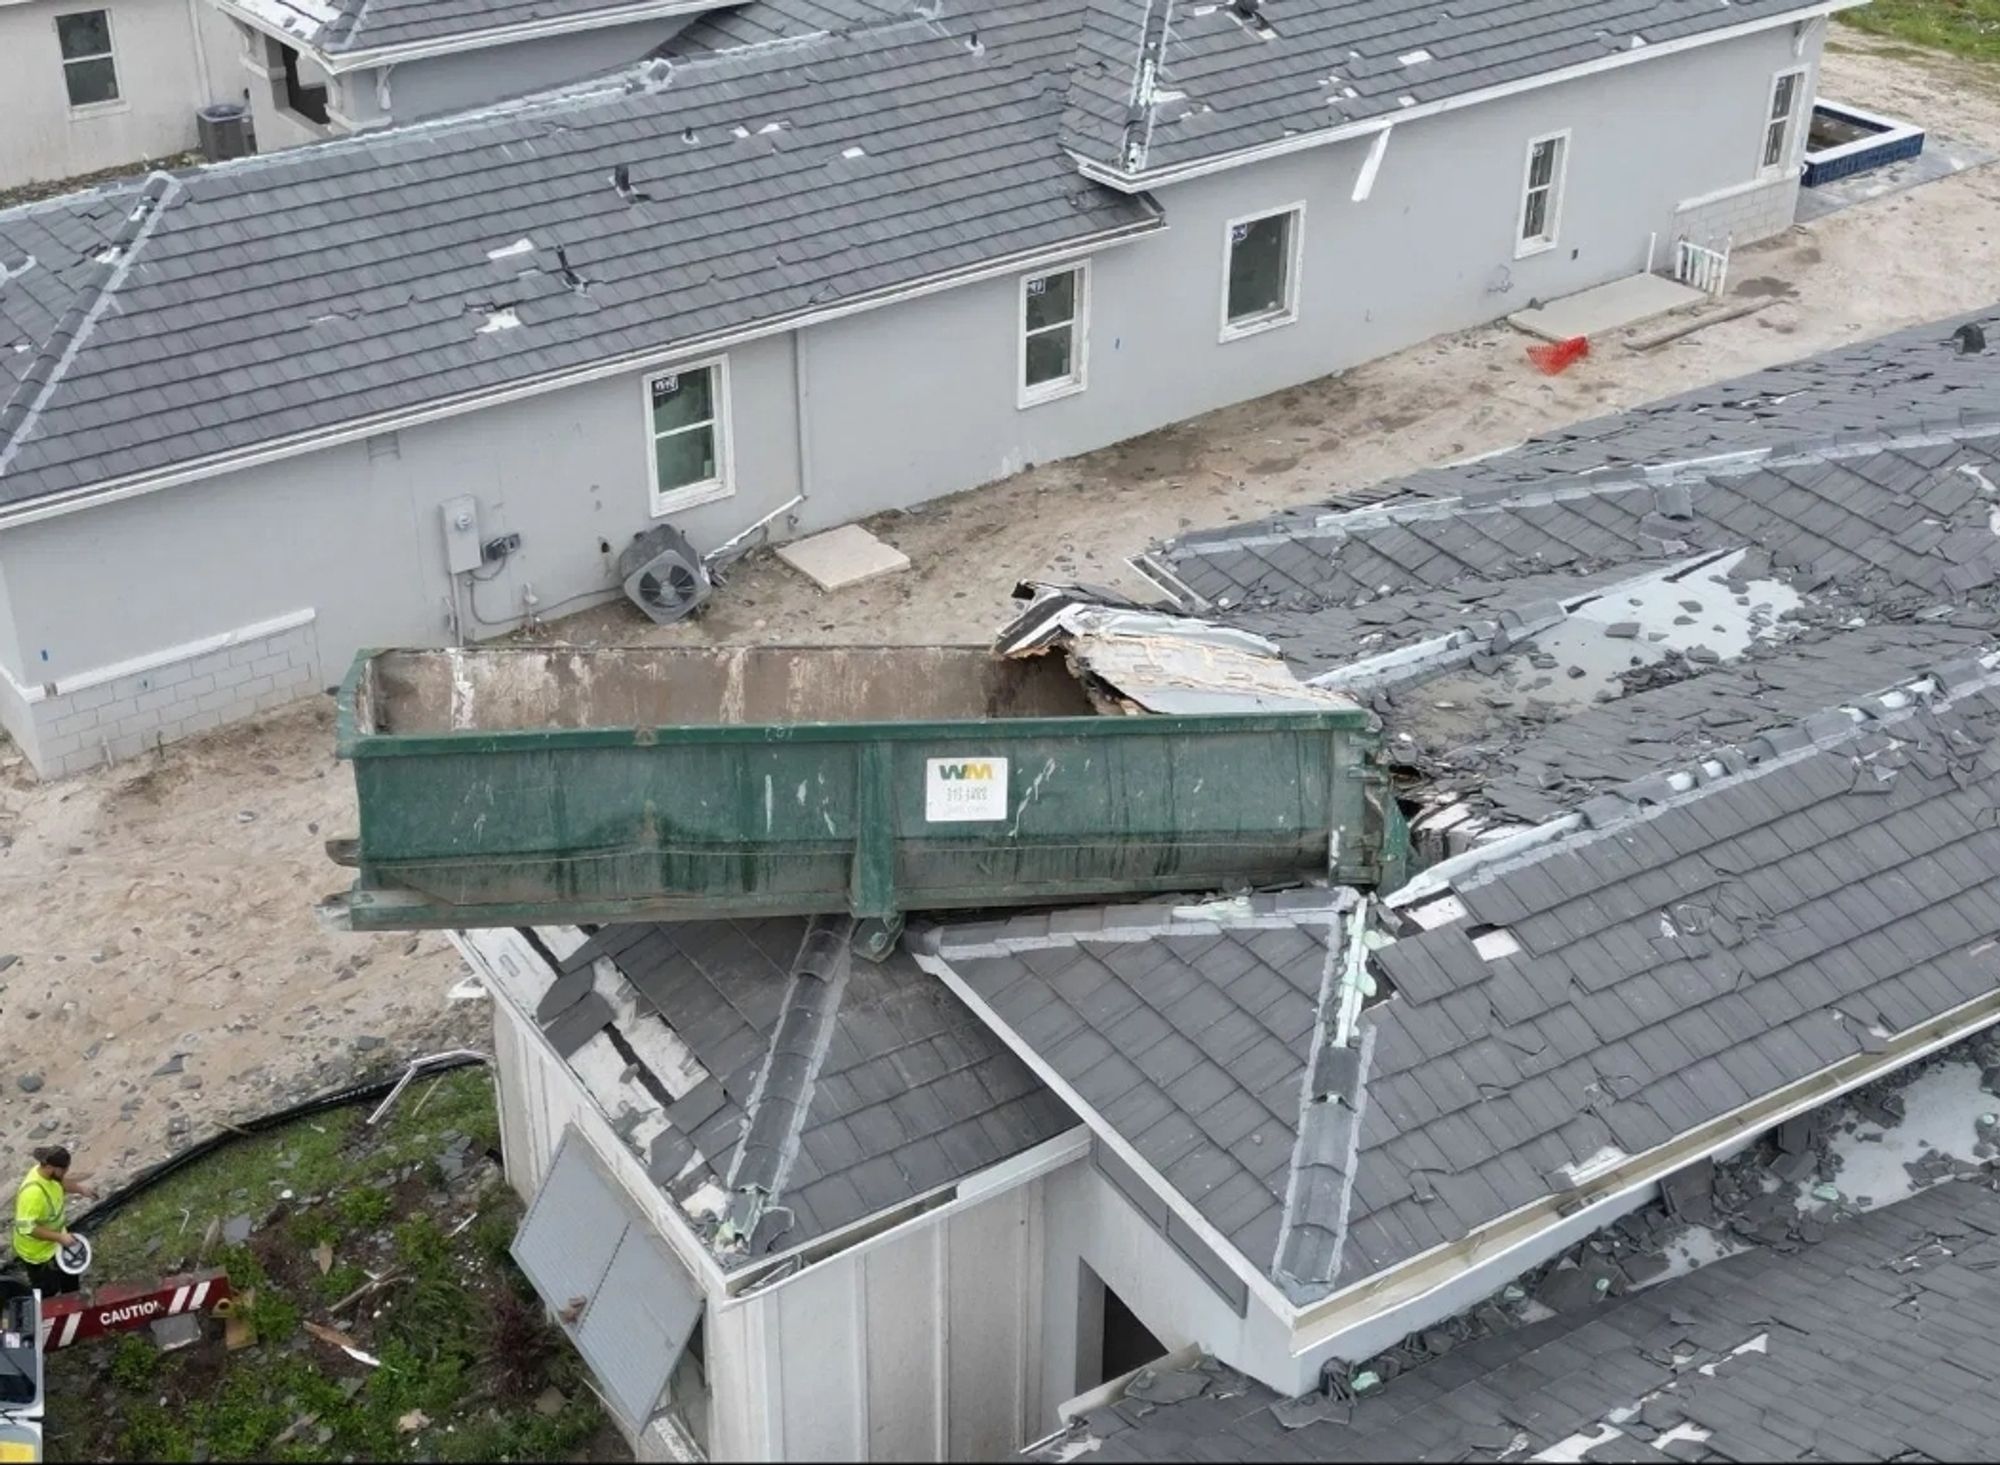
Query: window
pixel 1541 194
pixel 687 425
pixel 1054 327
pixel 1260 284
pixel 1778 126
pixel 88 70
pixel 306 99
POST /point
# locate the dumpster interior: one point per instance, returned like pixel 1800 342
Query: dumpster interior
pixel 538 688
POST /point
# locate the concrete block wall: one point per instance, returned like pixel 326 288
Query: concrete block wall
pixel 1738 215
pixel 121 712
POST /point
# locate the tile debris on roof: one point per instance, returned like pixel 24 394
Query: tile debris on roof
pixel 1871 388
pixel 1158 83
pixel 1873 1344
pixel 776 1088
pixel 1200 1036
pixel 277 297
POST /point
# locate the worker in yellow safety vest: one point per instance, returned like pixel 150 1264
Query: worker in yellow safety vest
pixel 41 1227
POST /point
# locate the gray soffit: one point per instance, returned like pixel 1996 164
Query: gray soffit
pixel 1841 1351
pixel 789 1090
pixel 1158 84
pixel 1197 1036
pixel 277 298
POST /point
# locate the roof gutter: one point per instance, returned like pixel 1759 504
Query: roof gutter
pixel 336 63
pixel 1148 178
pixel 69 501
pixel 1323 1322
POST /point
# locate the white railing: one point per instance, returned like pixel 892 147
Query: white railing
pixel 1702 268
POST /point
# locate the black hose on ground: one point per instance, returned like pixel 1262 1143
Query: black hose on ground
pixel 108 1206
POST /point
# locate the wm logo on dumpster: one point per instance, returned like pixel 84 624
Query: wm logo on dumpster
pixel 964 790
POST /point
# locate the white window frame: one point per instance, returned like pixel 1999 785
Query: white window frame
pixel 1295 255
pixel 1524 245
pixel 709 490
pixel 1079 326
pixel 116 103
pixel 1788 157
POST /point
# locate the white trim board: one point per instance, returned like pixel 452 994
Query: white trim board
pixel 1147 179
pixel 69 501
pixel 335 63
pixel 153 660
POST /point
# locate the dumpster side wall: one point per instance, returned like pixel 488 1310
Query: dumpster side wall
pixel 350 540
pixel 919 399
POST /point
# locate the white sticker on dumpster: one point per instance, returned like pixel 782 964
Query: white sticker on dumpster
pixel 960 790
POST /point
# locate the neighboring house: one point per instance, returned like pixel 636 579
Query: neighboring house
pixel 834 256
pixel 1699 718
pixel 325 68
pixel 107 85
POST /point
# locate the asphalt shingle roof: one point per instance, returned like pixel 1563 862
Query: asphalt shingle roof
pixel 1844 1350
pixel 274 297
pixel 1228 80
pixel 908 1092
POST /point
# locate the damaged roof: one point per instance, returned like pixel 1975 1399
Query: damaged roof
pixel 343 29
pixel 780 1086
pixel 1920 376
pixel 1161 83
pixel 1189 1033
pixel 273 299
pixel 1874 1344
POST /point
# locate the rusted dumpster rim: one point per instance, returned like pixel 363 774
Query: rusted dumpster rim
pixel 351 742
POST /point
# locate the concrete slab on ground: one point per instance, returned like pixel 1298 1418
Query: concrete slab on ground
pixel 1607 307
pixel 842 557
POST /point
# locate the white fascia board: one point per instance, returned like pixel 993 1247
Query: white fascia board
pixel 335 63
pixel 1154 178
pixel 55 505
pixel 1321 1324
pixel 1263 1287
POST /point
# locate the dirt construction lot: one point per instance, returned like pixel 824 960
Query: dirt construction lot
pixel 160 967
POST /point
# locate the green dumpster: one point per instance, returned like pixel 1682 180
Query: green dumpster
pixel 510 786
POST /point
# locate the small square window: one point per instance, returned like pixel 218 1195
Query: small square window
pixel 1261 288
pixel 1541 194
pixel 89 72
pixel 1053 325
pixel 688 435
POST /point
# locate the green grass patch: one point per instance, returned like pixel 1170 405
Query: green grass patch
pixel 1966 28
pixel 466 1365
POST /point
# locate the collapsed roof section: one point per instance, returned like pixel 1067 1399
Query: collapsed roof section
pixel 277 299
pixel 1874 1344
pixel 775 1088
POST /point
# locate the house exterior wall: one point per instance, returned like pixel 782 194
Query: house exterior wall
pixel 437 84
pixel 893 406
pixel 918 399
pixel 353 535
pixel 171 58
pixel 920 1344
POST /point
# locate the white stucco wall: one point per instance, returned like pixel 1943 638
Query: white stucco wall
pixel 172 58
